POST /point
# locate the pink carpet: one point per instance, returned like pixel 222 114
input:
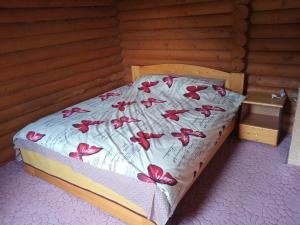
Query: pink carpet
pixel 246 184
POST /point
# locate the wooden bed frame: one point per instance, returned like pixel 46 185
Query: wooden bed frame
pixel 233 81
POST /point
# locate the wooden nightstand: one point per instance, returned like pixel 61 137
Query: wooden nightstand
pixel 261 118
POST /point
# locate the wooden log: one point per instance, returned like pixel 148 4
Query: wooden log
pixel 18 122
pixel 201 44
pixel 18 44
pixel 178 34
pixel 15 30
pixel 274 81
pixel 239 39
pixel 238 53
pixel 7 141
pixel 42 78
pixel 54 98
pixel 241 2
pixel 50 14
pixel 53 3
pixel 173 54
pixel 6 154
pixel 241 12
pixel 219 65
pixel 203 8
pixel 274 57
pixel 263 5
pixel 46 89
pixel 275 31
pixel 25 70
pixel 237 65
pixel 39 54
pixel 288 71
pixel 275 45
pixel 276 17
pixel 177 23
pixel 126 5
pixel 240 26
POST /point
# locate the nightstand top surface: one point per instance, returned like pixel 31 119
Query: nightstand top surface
pixel 265 99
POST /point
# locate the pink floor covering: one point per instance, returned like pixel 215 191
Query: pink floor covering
pixel 246 184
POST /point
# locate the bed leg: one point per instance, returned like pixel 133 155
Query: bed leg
pixel 30 170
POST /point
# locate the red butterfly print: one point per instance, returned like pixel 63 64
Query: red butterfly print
pixel 84 125
pixel 220 89
pixel 205 109
pixel 107 95
pixel 149 101
pixel 156 175
pixel 146 86
pixel 69 112
pixel 33 136
pixel 121 105
pixel 172 114
pixel 169 80
pixel 192 91
pixel 84 149
pixel 124 119
pixel 184 134
pixel 130 84
pixel 142 139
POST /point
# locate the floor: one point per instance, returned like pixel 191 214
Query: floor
pixel 246 184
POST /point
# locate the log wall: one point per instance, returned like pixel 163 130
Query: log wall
pixel 200 32
pixel 274 50
pixel 53 54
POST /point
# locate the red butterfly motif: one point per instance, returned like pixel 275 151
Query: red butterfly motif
pixel 156 175
pixel 33 136
pixel 121 105
pixel 130 84
pixel 205 109
pixel 124 119
pixel 84 149
pixel 107 95
pixel 149 101
pixel 172 114
pixel 142 139
pixel 84 125
pixel 169 80
pixel 192 91
pixel 220 89
pixel 146 86
pixel 184 134
pixel 69 112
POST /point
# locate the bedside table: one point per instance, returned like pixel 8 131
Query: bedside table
pixel 261 118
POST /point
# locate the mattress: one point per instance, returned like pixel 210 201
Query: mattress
pixel 152 137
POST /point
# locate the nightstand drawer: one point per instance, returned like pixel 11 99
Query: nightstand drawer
pixel 259 134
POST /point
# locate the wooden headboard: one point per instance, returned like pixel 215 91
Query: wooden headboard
pixel 233 81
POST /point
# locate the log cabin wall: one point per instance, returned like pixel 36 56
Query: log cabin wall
pixel 53 54
pixel 200 32
pixel 274 50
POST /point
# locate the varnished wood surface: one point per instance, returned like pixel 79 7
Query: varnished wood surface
pixel 54 54
pixel 274 50
pixel 203 33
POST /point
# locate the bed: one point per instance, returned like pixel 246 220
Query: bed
pixel 154 168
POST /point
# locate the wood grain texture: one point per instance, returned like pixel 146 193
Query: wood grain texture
pixel 274 50
pixel 196 32
pixel 54 54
